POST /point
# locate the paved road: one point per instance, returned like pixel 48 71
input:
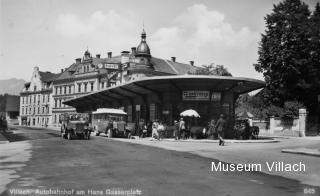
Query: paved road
pixel 102 164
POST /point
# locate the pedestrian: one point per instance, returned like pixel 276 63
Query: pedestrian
pixel 155 133
pixel 160 130
pixel 144 130
pixel 220 127
pixel 212 130
pixel 176 130
pixel 182 128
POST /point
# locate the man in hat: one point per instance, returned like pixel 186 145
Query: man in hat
pixel 182 128
pixel 220 127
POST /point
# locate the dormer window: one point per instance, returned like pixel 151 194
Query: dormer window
pixel 35 88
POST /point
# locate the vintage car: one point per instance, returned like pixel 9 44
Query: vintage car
pixel 243 130
pixel 3 124
pixel 110 122
pixel 76 128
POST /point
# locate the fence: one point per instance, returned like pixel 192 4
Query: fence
pixel 295 127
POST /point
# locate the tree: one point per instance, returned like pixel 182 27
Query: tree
pixel 284 52
pixel 212 69
pixel 315 47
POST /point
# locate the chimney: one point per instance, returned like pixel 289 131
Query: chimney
pixel 98 56
pixel 192 63
pixel 109 55
pixel 61 70
pixel 125 57
pixel 133 50
pixel 78 60
pixel 173 59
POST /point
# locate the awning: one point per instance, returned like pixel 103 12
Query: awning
pixel 161 84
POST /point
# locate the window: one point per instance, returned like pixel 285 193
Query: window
pixel 42 110
pixel 35 88
pixel 85 87
pixel 44 98
pixel 39 99
pixel 102 84
pixel 56 90
pixel 65 89
pixel 92 83
pixel 38 110
pixel 70 89
pixel 48 98
pixel 55 103
pixel 79 87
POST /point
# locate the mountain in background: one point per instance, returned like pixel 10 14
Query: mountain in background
pixel 11 86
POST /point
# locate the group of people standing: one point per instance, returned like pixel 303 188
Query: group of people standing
pixel 180 129
pixel 157 130
pixel 218 128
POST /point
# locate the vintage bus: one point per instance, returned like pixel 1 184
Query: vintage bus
pixel 111 122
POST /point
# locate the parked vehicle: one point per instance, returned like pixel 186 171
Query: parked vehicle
pixel 73 129
pixel 243 130
pixel 3 124
pixel 75 126
pixel 111 122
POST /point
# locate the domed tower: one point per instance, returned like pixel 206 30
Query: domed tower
pixel 143 54
pixel 141 65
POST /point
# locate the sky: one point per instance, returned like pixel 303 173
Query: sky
pixel 50 34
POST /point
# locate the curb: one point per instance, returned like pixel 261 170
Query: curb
pixel 206 141
pixel 302 152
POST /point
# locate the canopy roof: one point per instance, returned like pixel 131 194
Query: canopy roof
pixel 161 84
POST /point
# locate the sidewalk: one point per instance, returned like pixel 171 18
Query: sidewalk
pixel 3 140
pixel 249 153
pixel 304 151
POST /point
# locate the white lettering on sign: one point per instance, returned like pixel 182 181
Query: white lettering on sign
pixel 216 96
pixel 111 66
pixel 195 95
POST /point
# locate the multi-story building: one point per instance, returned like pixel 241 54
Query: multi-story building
pixel 36 99
pixel 89 74
pixel 86 75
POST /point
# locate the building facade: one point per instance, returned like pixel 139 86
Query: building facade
pixel 42 99
pixel 36 99
pixel 88 74
pixel 91 74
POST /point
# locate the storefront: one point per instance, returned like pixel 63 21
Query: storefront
pixel 165 97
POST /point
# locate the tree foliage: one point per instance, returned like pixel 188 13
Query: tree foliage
pixel 212 69
pixel 256 106
pixel 289 54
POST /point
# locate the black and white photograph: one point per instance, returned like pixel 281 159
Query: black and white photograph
pixel 160 98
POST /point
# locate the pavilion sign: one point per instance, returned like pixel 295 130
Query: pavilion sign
pixel 195 95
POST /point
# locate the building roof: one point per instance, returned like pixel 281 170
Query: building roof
pixel 170 67
pixel 48 76
pixel 12 103
pixel 69 72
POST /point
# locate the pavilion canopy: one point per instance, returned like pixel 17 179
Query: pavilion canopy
pixel 161 84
